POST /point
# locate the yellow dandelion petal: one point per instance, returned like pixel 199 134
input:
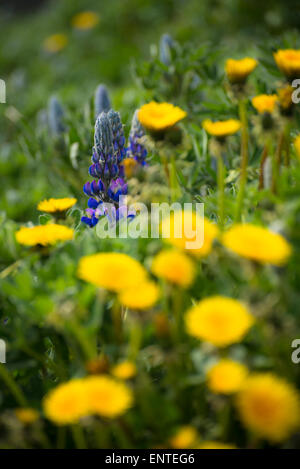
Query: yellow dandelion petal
pixel 67 403
pixel 142 296
pixel 226 376
pixel 55 43
pixel 269 406
pixel 288 61
pixel 44 235
pixel 221 129
pixel 27 415
pixel 297 145
pixel 130 165
pixel 215 445
pixel 237 71
pixel 160 116
pixel 56 205
pixel 184 438
pixel 219 320
pixel 124 370
pixel 285 97
pixel 175 267
pixel 107 397
pixel 257 243
pixel 184 230
pixel 265 103
pixel 85 20
pixel 111 270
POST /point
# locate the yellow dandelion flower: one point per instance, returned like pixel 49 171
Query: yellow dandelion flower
pixel 124 370
pixel 219 320
pixel 238 71
pixel 107 397
pixel 297 145
pixel 215 445
pixel 56 205
pixel 269 406
pixel 184 438
pixel 55 43
pixel 288 61
pixel 221 129
pixel 130 165
pixel 85 20
pixel 175 267
pixel 160 116
pixel 285 97
pixel 27 415
pixel 44 235
pixel 257 243
pixel 181 229
pixel 67 403
pixel 112 270
pixel 142 296
pixel 265 103
pixel 226 377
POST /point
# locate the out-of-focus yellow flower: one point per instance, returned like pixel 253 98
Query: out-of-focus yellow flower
pixel 175 267
pixel 184 438
pixel 44 235
pixel 215 445
pixel 85 20
pixel 124 370
pixel 182 229
pixel 55 43
pixel 111 270
pixel 143 296
pixel 56 205
pixel 265 103
pixel 67 403
pixel 297 145
pixel 27 415
pixel 238 71
pixel 160 116
pixel 285 97
pixel 257 243
pixel 288 61
pixel 269 406
pixel 130 165
pixel 107 397
pixel 226 376
pixel 219 320
pixel 221 129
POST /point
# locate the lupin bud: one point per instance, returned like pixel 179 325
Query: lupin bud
pixel 165 47
pixel 103 136
pixel 136 149
pixel 56 117
pixel 102 101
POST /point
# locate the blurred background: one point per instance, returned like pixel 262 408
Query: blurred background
pixel 125 30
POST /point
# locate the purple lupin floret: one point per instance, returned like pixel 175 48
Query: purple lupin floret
pixel 108 153
pixel 136 149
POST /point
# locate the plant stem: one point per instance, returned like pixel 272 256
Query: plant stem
pixel 244 159
pixel 277 162
pixel 221 193
pixel 78 437
pixel 262 164
pixel 12 385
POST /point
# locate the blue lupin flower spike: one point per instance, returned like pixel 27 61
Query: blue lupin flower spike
pixel 165 47
pixel 108 153
pixel 118 134
pixel 102 101
pixel 136 149
pixel 56 116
